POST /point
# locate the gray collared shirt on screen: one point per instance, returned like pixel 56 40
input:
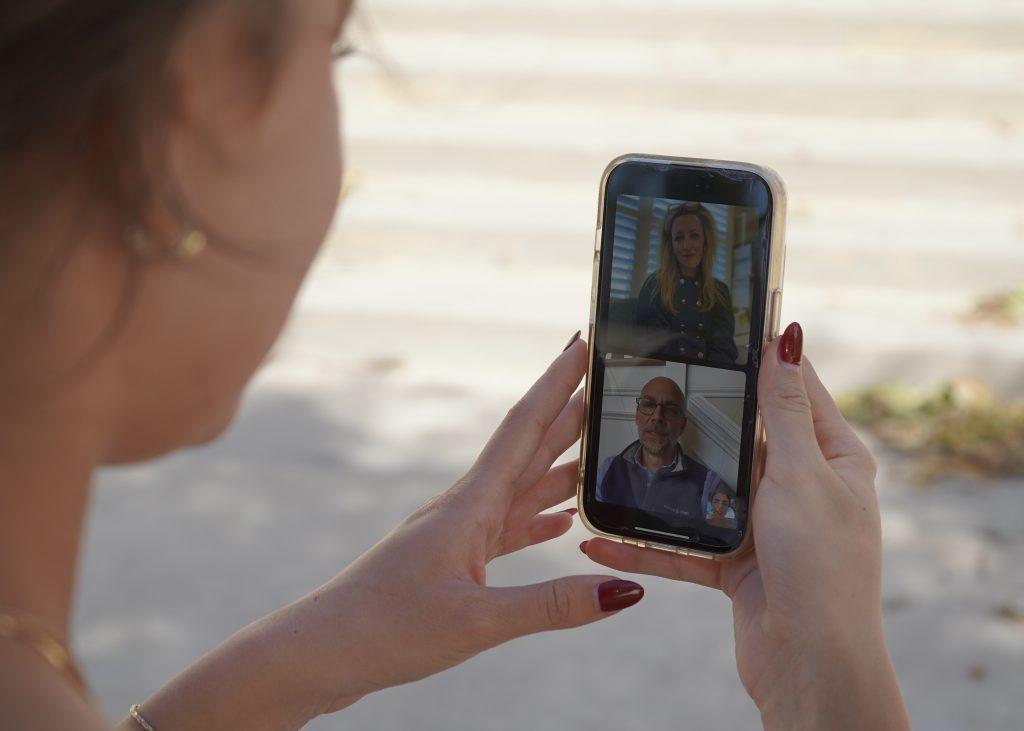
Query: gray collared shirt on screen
pixel 682 468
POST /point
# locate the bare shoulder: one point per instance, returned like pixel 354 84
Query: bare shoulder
pixel 34 697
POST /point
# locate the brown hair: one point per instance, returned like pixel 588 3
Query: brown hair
pixel 80 81
pixel 669 272
pixel 84 86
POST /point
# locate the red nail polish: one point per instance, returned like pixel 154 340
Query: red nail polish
pixel 570 511
pixel 791 345
pixel 583 547
pixel 618 594
pixel 572 340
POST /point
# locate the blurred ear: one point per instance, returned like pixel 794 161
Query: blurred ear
pixel 203 125
pixel 249 150
pixel 217 84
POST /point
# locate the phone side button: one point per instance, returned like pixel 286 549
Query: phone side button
pixel 636 542
pixel 663 547
pixel 774 312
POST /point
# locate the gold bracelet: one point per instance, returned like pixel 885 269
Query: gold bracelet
pixel 137 717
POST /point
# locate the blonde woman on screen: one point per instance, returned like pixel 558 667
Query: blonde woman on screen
pixel 682 310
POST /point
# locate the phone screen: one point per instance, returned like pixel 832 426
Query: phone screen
pixel 680 312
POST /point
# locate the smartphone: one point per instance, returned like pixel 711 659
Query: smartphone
pixel 688 263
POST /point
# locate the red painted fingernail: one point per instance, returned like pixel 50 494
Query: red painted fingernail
pixel 618 594
pixel 572 340
pixel 571 511
pixel 583 547
pixel 791 345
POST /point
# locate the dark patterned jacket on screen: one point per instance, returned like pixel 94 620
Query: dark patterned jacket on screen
pixel 691 332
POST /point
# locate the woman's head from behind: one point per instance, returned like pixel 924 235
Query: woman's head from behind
pixel 126 126
pixel 687 249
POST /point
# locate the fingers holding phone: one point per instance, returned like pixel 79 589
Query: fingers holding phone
pixel 419 602
pixel 810 591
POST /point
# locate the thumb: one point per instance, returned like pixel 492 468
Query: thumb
pixel 783 401
pixel 562 603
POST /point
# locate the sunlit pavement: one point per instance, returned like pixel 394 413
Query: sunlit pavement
pixel 460 264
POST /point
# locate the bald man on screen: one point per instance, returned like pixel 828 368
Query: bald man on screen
pixel 652 474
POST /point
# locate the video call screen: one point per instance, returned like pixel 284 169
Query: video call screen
pixel 674 390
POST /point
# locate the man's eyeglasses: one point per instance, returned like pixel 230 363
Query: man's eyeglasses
pixel 647 406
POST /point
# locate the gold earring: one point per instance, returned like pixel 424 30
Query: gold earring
pixel 140 243
pixel 192 244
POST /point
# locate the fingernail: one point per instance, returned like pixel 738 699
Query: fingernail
pixel 572 340
pixel 618 594
pixel 791 345
pixel 583 548
pixel 570 511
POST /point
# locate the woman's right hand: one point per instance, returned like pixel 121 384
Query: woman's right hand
pixel 807 600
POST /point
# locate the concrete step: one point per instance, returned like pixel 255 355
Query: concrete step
pixel 951 62
pixel 831 24
pixel 423 314
pixel 992 12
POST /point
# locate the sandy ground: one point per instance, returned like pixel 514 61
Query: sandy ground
pixel 458 267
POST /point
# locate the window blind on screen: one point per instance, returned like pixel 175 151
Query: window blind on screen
pixel 624 245
pixel 720 214
pixel 659 209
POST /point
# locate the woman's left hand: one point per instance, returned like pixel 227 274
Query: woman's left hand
pixel 418 602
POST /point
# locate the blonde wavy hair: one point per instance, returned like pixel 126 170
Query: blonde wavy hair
pixel 669 270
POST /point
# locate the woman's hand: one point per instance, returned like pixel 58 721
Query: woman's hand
pixel 418 602
pixel 807 601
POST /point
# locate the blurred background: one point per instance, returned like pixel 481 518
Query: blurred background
pixel 459 265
